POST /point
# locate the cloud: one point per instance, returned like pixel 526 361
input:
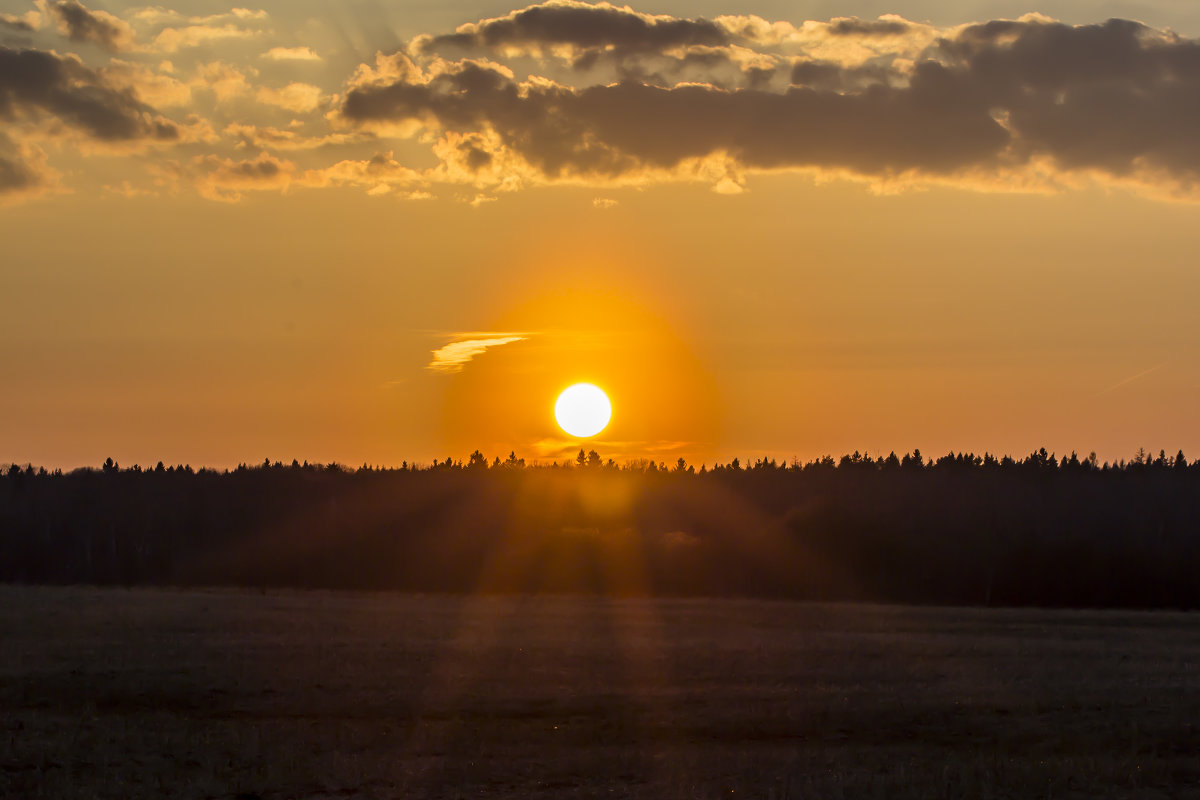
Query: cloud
pixel 267 137
pixel 1117 97
pixel 15 175
pixel 126 190
pixel 226 82
pixel 291 54
pixel 170 40
pixel 155 87
pixel 80 24
pixel 602 37
pixel 28 22
pixel 35 83
pixel 604 96
pixel 846 40
pixel 831 76
pixel 888 25
pixel 582 25
pixel 1016 102
pixel 47 97
pixel 605 131
pixel 297 97
pixel 381 174
pixel 23 171
pixel 261 138
pixel 157 16
pixel 455 355
pixel 197 31
pixel 250 13
pixel 226 180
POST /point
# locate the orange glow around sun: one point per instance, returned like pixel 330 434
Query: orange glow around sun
pixel 504 399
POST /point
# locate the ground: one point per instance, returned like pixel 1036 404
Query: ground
pixel 232 694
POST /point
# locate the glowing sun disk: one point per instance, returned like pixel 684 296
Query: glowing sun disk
pixel 582 410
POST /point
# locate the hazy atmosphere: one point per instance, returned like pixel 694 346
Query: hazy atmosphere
pixel 378 232
pixel 575 401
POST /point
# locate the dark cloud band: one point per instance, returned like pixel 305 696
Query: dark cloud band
pixel 606 130
pixel 1117 97
pixel 36 82
pixel 584 26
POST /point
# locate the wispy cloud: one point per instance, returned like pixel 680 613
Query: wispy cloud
pixel 296 97
pixel 455 355
pixel 561 447
pixel 1131 379
pixel 171 40
pixel 291 54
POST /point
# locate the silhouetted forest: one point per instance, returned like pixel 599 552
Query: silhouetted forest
pixel 960 529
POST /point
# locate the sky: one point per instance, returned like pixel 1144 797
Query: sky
pixel 380 232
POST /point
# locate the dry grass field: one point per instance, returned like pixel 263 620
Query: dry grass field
pixel 229 694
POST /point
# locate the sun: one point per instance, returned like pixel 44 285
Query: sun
pixel 583 410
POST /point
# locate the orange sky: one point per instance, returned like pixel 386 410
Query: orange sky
pixel 764 230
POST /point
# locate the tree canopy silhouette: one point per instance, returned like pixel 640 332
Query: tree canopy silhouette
pixel 958 529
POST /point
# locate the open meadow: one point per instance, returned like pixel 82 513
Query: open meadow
pixel 289 694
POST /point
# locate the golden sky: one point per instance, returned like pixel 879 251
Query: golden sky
pixel 395 231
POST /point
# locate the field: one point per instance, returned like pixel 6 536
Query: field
pixel 228 694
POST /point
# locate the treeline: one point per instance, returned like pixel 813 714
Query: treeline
pixel 960 529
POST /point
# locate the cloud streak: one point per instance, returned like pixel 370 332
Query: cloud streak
pixel 1130 379
pixel 291 54
pixel 454 356
pixel 171 40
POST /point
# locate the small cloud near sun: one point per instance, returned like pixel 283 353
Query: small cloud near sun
pixel 455 355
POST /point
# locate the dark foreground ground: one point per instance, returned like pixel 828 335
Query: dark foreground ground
pixel 130 694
